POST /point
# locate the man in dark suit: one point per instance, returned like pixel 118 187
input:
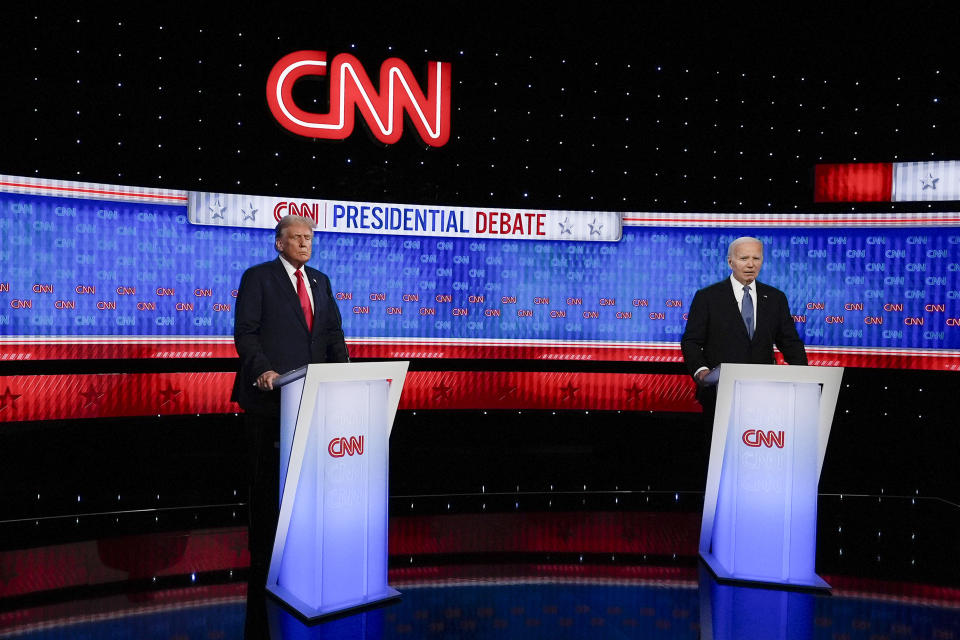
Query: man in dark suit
pixel 286 317
pixel 737 320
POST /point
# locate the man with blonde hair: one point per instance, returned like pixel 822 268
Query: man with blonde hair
pixel 286 317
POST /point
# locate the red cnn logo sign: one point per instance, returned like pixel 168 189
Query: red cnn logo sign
pixel 351 89
pixel 757 438
pixel 304 209
pixel 340 447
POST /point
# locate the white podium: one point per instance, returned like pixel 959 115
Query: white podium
pixel 330 550
pixel 770 435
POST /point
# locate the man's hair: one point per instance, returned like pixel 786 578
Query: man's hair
pixel 741 240
pixel 289 221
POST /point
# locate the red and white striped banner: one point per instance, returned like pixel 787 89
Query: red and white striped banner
pixel 937 181
pixel 91 190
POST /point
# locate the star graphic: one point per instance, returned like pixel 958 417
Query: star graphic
pixel 566 227
pixel 568 391
pixel 250 213
pixel 8 571
pixel 633 392
pixel 92 396
pixel 441 391
pixel 630 533
pixel 217 210
pixel 237 544
pixel 505 391
pixel 567 533
pixel 7 398
pixel 929 182
pixel 169 394
pixel 595 227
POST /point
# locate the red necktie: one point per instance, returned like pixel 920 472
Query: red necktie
pixel 304 300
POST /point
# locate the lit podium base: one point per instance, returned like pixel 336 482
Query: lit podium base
pixel 770 435
pixel 735 612
pixel 330 551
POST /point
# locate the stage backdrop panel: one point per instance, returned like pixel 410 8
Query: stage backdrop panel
pixel 102 271
pixel 102 274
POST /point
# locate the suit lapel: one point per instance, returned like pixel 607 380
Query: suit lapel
pixel 763 308
pixel 288 294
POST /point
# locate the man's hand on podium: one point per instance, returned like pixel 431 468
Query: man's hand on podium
pixel 708 377
pixel 265 380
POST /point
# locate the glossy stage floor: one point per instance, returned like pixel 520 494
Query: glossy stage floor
pixel 510 565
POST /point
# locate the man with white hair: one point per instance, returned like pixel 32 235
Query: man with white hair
pixel 737 320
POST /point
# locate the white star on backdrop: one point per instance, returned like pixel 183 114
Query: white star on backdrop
pixel 250 213
pixel 929 182
pixel 217 210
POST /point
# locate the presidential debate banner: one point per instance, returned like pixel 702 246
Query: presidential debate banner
pixel 107 271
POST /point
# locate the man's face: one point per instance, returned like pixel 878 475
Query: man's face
pixel 746 261
pixel 296 244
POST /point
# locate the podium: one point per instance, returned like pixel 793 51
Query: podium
pixel 330 550
pixel 770 435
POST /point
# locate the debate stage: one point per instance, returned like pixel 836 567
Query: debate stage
pixel 580 539
pixel 599 564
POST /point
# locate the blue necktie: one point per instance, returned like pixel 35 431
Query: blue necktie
pixel 746 310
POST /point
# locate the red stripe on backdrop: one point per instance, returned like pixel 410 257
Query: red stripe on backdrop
pixel 117 349
pixel 934 359
pixel 581 352
pixel 39 349
pixel 655 533
pixel 862 182
pixel 145 194
pixel 944 360
pixel 110 395
pixel 76 396
pixel 548 390
pixel 60 397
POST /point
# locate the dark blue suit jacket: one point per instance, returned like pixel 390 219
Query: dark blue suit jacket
pixel 270 331
pixel 715 331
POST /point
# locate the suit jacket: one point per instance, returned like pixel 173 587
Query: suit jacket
pixel 270 331
pixel 715 331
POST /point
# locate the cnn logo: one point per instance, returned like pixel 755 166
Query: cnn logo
pixel 758 438
pixel 351 90
pixel 352 446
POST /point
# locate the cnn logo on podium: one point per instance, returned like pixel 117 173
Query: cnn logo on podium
pixel 352 446
pixel 759 438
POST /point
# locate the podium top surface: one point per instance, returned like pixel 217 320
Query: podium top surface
pixel 781 373
pixel 345 371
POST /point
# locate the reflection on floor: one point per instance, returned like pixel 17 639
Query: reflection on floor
pixel 509 607
pixel 601 566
